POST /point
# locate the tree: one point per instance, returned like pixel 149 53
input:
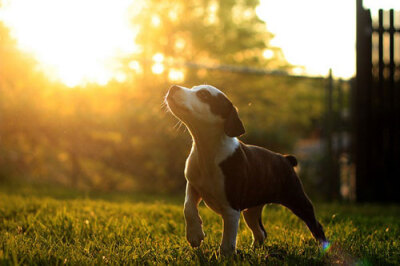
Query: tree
pixel 207 32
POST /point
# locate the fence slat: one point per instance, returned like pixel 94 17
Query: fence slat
pixel 391 49
pixel 391 100
pixel 381 64
pixel 381 109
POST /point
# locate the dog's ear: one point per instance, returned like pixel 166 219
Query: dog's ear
pixel 233 126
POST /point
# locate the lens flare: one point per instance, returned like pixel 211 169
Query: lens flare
pixel 326 246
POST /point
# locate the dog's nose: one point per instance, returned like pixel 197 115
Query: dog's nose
pixel 173 90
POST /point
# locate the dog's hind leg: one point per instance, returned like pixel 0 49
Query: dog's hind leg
pixel 252 216
pixel 301 205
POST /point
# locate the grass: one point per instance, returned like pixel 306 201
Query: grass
pixel 40 225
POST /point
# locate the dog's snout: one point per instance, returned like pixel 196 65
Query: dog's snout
pixel 173 90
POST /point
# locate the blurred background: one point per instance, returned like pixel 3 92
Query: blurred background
pixel 82 85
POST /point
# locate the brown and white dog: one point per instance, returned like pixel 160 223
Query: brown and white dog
pixel 229 175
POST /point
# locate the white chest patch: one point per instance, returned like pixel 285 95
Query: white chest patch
pixel 228 147
pixel 207 177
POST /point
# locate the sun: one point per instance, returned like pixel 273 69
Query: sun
pixel 75 41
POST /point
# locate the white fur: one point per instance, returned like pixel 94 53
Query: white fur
pixel 228 146
pixel 188 99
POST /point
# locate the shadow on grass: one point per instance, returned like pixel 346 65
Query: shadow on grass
pixel 283 254
pixel 266 255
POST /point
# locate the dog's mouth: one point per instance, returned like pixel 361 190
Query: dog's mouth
pixel 175 106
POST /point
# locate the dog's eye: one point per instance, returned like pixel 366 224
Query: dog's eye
pixel 203 95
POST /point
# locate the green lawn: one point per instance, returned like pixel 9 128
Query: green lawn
pixel 57 226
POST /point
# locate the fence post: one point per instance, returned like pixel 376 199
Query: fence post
pixel 362 109
pixel 339 123
pixel 331 162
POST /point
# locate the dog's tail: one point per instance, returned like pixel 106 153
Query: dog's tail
pixel 291 159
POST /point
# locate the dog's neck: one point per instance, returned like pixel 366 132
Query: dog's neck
pixel 212 146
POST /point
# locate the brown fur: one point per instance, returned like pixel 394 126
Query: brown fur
pixel 255 176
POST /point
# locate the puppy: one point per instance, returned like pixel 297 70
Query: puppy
pixel 229 175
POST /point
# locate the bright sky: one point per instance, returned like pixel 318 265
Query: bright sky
pixel 75 41
pixel 79 44
pixel 317 34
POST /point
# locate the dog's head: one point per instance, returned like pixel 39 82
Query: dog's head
pixel 205 106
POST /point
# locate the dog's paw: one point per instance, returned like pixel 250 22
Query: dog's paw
pixel 259 239
pixel 227 251
pixel 257 243
pixel 195 236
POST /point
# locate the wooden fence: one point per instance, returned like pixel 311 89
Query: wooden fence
pixel 376 107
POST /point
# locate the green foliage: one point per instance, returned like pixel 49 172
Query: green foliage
pixel 40 225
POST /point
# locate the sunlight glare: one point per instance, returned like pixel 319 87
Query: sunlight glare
pixel 383 4
pixel 158 57
pixel 268 54
pixel 76 42
pixel 155 21
pixel 180 44
pixel 318 35
pixel 135 65
pixel 173 15
pixel 176 75
pixel 157 68
pixel 120 77
pixel 212 12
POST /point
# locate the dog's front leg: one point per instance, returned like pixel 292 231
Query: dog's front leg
pixel 231 222
pixel 194 229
